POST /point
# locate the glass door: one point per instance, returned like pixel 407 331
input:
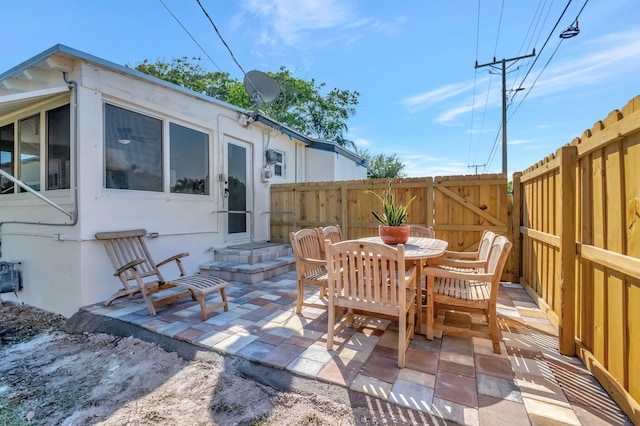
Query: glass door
pixel 238 188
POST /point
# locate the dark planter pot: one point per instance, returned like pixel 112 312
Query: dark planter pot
pixel 394 234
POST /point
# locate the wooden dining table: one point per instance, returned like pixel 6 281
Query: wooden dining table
pixel 421 251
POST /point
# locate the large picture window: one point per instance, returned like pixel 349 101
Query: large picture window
pixel 58 148
pixel 133 150
pixel 7 141
pixel 189 160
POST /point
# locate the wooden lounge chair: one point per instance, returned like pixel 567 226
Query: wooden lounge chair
pixel 468 291
pixel 310 265
pixel 138 273
pixel 370 278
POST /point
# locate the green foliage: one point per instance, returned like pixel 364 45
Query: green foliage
pixel 301 104
pixel 382 166
pixel 392 214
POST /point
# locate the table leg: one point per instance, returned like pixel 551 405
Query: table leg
pixel 429 313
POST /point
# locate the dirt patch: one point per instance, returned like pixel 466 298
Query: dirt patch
pixel 50 377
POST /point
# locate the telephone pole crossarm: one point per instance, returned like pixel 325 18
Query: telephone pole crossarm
pixel 504 100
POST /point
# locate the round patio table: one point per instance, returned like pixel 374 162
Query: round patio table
pixel 418 250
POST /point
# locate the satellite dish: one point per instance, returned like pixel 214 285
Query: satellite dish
pixel 261 88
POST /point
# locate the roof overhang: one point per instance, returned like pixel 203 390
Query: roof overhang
pixel 17 101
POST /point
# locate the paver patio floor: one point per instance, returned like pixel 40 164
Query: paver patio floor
pixel 458 379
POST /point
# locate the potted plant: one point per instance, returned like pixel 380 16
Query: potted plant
pixel 392 229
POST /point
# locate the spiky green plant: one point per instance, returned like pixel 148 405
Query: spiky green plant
pixel 392 214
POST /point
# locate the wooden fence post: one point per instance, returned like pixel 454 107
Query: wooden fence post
pixel 515 222
pixel 567 230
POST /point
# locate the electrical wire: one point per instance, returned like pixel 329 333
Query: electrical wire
pixel 475 79
pixel 190 35
pixel 546 65
pixel 495 49
pixel 544 45
pixel 221 38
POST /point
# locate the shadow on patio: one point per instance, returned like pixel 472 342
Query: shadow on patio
pixel 457 379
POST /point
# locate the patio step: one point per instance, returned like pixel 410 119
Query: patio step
pixel 250 266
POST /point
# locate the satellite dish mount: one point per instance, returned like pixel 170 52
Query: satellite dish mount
pixel 261 88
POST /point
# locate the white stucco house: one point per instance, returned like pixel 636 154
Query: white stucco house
pixel 87 145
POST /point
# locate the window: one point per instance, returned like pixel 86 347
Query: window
pixel 278 167
pixel 189 160
pixel 7 139
pixel 29 145
pixel 58 148
pixel 133 150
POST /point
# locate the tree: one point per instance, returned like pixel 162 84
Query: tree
pixel 383 166
pixel 300 105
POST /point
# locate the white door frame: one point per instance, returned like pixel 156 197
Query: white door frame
pixel 233 170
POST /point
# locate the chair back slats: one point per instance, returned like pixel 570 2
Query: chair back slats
pixel 497 259
pixel 306 245
pixel 331 233
pixel 420 231
pixel 125 247
pixel 485 244
pixel 366 273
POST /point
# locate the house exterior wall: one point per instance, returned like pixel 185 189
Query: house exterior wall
pixel 322 166
pixel 63 267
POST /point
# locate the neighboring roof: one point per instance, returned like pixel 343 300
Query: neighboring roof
pixel 63 50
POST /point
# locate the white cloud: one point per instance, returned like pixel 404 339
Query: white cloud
pixel 423 100
pixel 289 21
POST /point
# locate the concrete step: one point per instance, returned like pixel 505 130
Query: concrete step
pixel 249 272
pixel 260 253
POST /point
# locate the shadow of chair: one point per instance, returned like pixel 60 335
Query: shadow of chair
pixel 370 278
pixel 310 265
pixel 473 291
pixel 138 273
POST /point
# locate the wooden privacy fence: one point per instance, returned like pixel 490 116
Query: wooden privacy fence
pixel 580 249
pixel 458 207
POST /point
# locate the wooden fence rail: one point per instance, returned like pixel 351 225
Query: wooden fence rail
pixel 578 215
pixel 458 207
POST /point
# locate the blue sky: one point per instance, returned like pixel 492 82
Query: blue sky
pixel 412 62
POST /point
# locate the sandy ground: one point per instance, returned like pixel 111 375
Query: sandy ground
pixel 51 377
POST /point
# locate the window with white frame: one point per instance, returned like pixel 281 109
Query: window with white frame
pixel 23 146
pixel 278 166
pixel 134 154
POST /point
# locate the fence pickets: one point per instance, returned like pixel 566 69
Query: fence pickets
pixel 580 249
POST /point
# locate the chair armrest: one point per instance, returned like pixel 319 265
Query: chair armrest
pixel 172 258
pixel 129 265
pixel 448 273
pixel 311 261
pixel 410 275
pixel 461 254
pixel 460 263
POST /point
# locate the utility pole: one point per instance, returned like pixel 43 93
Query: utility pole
pixel 504 101
pixel 476 166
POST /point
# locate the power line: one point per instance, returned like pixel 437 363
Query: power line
pixel 221 38
pixel 190 35
pixel 545 43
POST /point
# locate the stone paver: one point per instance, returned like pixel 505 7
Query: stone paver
pixel 458 379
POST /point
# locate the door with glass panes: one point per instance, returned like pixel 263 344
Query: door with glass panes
pixel 237 189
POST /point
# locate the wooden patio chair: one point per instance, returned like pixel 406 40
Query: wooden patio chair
pixel 311 265
pixel 370 278
pixel 332 233
pixel 468 291
pixel 420 231
pixel 469 260
pixel 138 273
